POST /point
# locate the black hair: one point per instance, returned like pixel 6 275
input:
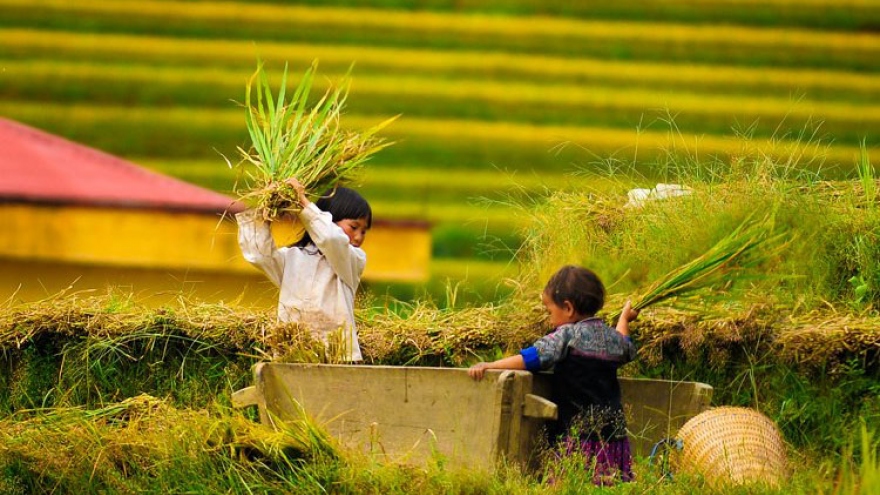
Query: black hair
pixel 578 285
pixel 342 203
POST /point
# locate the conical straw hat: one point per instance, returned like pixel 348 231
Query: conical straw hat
pixel 732 445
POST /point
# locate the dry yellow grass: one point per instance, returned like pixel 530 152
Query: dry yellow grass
pixel 421 333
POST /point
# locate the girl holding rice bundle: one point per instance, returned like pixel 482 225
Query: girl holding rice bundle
pixel 319 275
pixel 585 354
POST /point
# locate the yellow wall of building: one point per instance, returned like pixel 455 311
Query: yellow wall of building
pixel 45 248
pixel 34 280
pixel 120 237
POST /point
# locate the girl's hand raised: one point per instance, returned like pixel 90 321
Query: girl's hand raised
pixel 628 312
pixel 300 191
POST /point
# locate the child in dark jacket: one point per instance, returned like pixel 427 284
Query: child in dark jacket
pixel 585 354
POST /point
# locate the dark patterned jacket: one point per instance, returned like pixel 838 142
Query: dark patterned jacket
pixel 585 357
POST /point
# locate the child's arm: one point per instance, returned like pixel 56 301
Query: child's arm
pixel 543 354
pixel 258 246
pixel 348 262
pixel 627 315
pixel 509 363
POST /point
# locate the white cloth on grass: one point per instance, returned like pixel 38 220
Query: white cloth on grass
pixel 638 197
pixel 318 282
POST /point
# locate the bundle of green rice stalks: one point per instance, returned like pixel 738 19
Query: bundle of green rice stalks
pixel 291 139
pixel 749 245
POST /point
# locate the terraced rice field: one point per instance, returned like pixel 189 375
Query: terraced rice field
pixel 498 98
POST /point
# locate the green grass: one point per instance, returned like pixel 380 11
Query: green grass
pixel 103 78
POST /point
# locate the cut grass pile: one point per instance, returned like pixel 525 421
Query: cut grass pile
pixel 96 330
pixel 768 273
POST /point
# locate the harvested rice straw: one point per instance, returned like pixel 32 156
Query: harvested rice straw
pixel 289 139
pixel 747 246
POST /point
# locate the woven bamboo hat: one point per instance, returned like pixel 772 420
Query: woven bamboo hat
pixel 732 445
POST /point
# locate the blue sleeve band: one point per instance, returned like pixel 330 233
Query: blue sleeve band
pixel 531 358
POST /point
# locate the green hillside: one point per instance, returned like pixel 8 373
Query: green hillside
pixel 497 98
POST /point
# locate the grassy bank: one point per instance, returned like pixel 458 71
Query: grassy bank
pixel 793 336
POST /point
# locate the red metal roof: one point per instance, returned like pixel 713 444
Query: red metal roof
pixel 36 166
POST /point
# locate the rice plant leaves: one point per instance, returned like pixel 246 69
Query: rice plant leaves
pixel 294 139
pixel 749 244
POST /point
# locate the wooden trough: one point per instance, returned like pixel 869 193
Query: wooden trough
pixel 409 414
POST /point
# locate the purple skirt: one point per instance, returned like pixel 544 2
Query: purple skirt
pixel 610 462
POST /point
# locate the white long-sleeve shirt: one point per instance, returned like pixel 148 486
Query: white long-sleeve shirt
pixel 317 282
